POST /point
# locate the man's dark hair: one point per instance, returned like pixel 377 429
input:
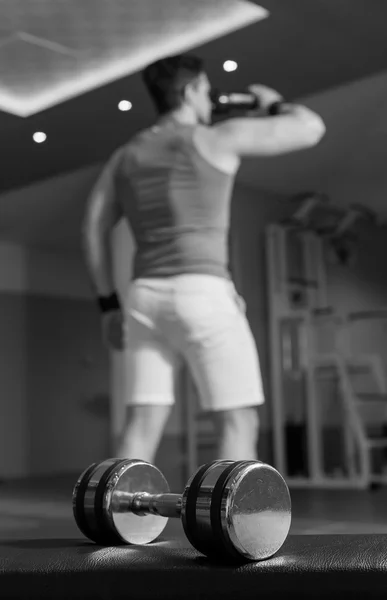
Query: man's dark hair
pixel 167 78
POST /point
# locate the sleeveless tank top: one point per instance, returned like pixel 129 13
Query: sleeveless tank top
pixel 177 204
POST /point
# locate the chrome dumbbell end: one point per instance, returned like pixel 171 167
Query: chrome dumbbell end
pixel 242 510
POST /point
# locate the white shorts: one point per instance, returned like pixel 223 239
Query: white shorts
pixel 198 319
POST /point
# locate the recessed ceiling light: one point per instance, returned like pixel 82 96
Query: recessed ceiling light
pixel 125 105
pixel 39 137
pixel 230 65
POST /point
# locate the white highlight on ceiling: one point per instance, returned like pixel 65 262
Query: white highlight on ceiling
pixel 39 137
pixel 124 105
pixel 54 50
pixel 230 65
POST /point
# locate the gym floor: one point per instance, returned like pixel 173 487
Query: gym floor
pixel 41 508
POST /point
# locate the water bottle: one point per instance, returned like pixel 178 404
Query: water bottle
pixel 224 102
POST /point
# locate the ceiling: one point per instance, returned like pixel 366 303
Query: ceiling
pixel 68 63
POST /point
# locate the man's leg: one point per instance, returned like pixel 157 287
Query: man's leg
pixel 150 367
pixel 143 431
pixel 222 356
pixel 237 433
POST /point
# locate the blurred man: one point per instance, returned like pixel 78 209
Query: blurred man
pixel 173 183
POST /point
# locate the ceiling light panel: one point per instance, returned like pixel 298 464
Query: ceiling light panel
pixel 54 50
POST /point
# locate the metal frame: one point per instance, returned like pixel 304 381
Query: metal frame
pixel 359 475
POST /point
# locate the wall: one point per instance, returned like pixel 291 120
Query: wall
pixel 53 369
pixel 54 373
pixel 361 285
pixel 13 422
pixel 251 212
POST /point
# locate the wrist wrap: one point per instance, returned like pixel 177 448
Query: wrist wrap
pixel 109 303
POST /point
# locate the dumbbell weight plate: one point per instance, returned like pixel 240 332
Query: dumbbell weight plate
pixel 250 511
pixel 196 498
pixel 79 491
pixel 84 494
pixel 106 502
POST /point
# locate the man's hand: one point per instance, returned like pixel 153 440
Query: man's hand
pixel 265 95
pixel 240 302
pixel 113 330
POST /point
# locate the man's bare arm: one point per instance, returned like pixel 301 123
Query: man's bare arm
pixel 103 211
pixel 297 128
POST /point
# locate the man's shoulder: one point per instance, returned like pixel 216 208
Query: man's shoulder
pixel 207 132
pixel 208 144
pixel 124 153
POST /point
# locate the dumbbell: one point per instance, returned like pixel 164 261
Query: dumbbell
pixel 229 510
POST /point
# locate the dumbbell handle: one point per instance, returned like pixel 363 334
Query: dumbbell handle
pixel 142 503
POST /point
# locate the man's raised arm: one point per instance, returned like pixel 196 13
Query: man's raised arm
pixel 296 127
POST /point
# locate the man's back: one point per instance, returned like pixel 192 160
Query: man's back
pixel 176 202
